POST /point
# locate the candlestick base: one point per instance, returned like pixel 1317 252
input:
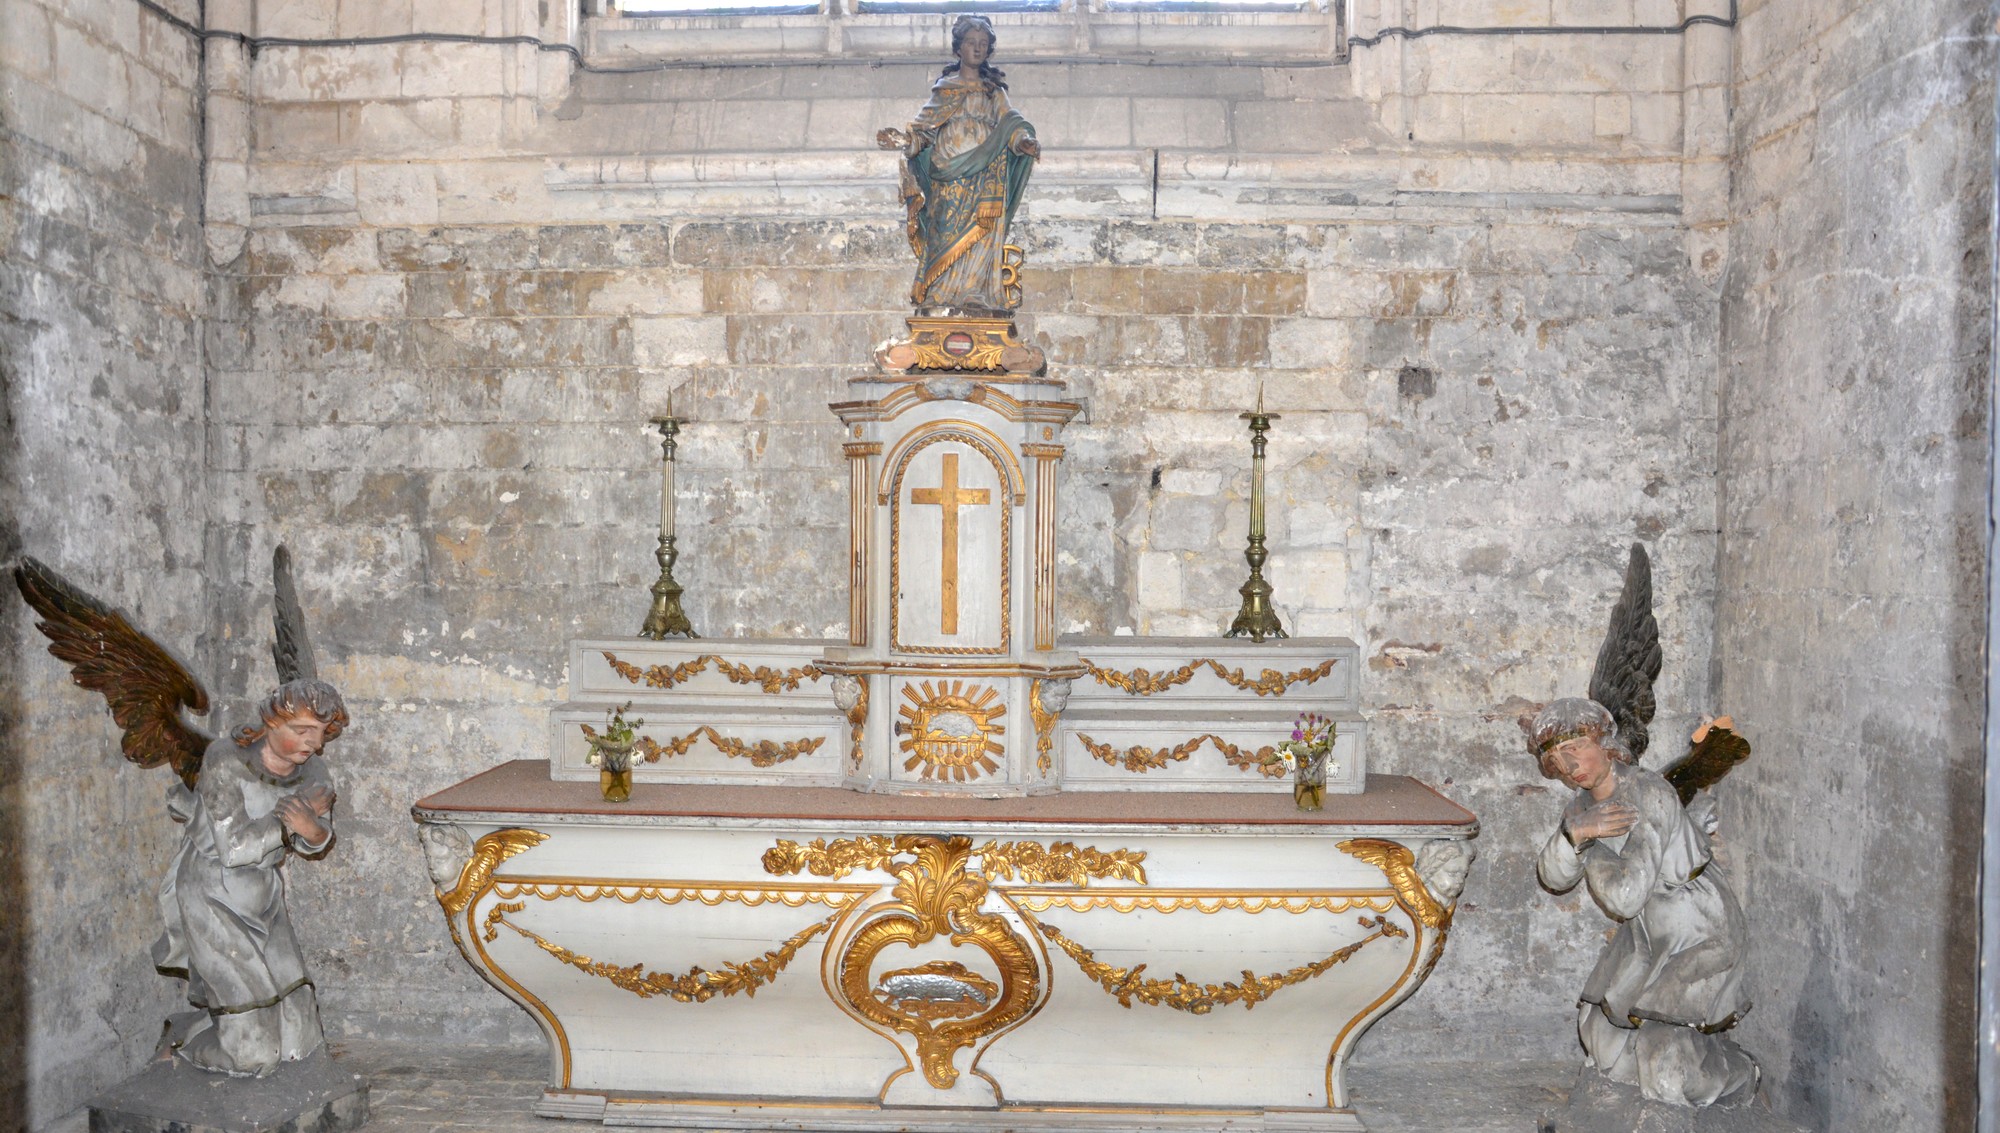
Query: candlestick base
pixel 666 619
pixel 1256 619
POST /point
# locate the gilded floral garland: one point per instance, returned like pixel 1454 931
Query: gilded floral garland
pixel 1045 729
pixel 763 753
pixel 1271 682
pixel 1062 863
pixel 857 725
pixel 1182 994
pixel 696 985
pixel 1142 759
pixel 771 680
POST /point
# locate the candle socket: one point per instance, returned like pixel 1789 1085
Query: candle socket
pixel 1256 619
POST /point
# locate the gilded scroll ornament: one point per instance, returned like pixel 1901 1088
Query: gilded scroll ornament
pixel 1182 994
pixel 477 875
pixel 938 895
pixel 1141 759
pixel 760 753
pixel 773 681
pixel 1399 865
pixel 1271 682
pixel 952 730
pixel 696 985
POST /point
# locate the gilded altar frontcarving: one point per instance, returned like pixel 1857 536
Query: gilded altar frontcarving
pixel 1270 682
pixel 1142 758
pixel 696 985
pixel 1182 994
pixel 937 895
pixel 773 681
pixel 760 753
pixel 952 730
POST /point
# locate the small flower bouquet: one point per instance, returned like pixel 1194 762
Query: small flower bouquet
pixel 1306 756
pixel 611 754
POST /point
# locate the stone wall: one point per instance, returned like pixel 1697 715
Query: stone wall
pixel 1477 276
pixel 102 475
pixel 1852 588
pixel 461 294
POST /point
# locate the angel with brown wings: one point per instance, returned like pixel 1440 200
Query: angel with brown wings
pixel 247 803
pixel 1669 982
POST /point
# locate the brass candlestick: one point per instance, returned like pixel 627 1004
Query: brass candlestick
pixel 1256 619
pixel 666 619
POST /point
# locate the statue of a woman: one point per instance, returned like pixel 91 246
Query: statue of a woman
pixel 967 160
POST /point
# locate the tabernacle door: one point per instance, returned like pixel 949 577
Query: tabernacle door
pixel 949 549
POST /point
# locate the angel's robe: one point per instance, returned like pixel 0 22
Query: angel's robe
pixel 223 901
pixel 1677 956
pixel 961 187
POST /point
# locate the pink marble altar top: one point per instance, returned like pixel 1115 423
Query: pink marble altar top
pixel 524 787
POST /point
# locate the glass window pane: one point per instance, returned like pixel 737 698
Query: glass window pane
pixel 1206 5
pixel 725 8
pixel 957 5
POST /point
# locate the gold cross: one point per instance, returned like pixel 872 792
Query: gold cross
pixel 949 496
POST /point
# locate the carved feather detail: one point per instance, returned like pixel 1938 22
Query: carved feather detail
pixel 144 685
pixel 291 648
pixel 1629 660
pixel 1713 752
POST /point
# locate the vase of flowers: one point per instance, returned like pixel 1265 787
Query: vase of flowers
pixel 1306 755
pixel 611 754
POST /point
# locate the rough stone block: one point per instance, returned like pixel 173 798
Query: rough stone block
pixel 1311 344
pixel 1159 580
pixel 679 341
pixel 93 74
pixel 171 1096
pixel 296 19
pixel 395 194
pixel 1185 523
pixel 374 17
pixel 452 70
pixel 1298 127
pixel 1593 13
pixel 1228 340
pixel 1532 119
pixel 1180 123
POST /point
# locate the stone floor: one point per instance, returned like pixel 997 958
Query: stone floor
pixel 428 1091
pixel 432 1090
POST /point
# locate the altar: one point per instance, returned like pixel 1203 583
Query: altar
pixel 953 870
pixel 715 956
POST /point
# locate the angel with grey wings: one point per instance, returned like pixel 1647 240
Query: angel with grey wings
pixel 1668 984
pixel 246 801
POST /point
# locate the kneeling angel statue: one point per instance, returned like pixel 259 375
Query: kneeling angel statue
pixel 1669 984
pixel 247 803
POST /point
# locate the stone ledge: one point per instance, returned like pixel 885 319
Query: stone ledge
pixel 1083 34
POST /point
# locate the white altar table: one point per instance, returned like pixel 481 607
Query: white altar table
pixel 782 957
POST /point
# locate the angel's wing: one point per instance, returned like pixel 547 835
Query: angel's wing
pixel 1629 659
pixel 291 648
pixel 144 685
pixel 1713 751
